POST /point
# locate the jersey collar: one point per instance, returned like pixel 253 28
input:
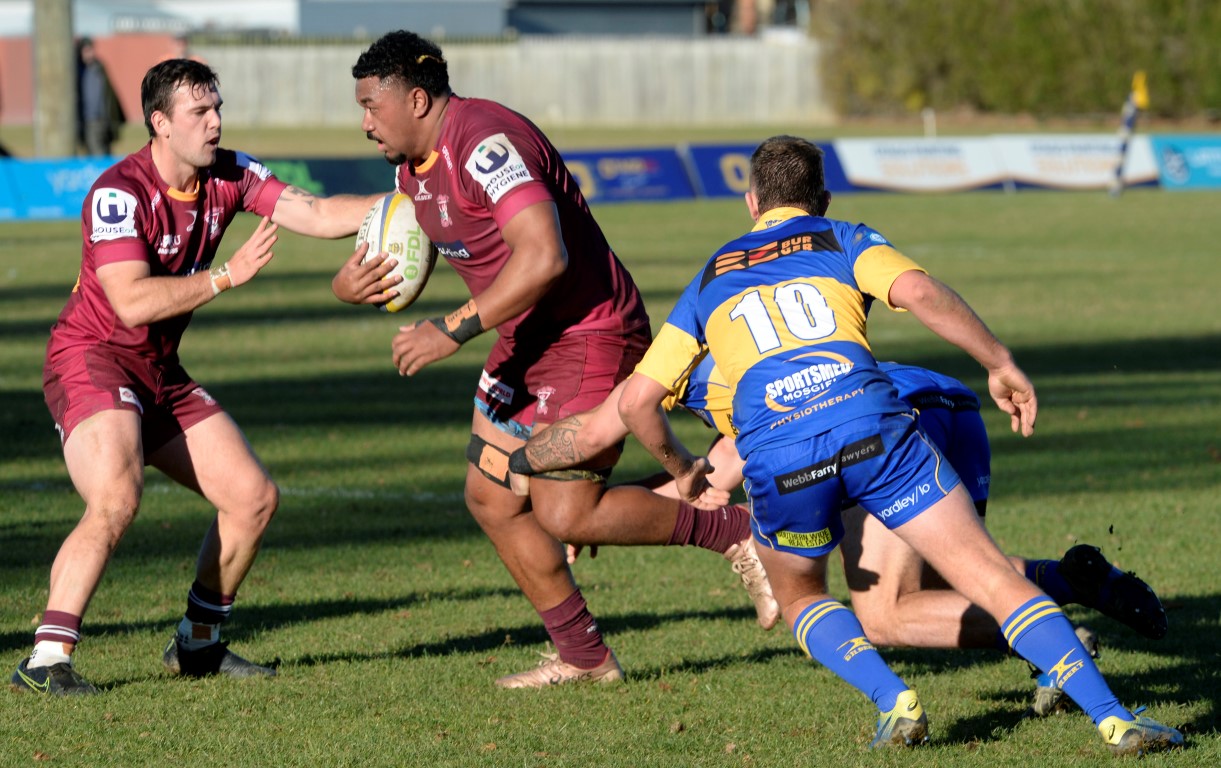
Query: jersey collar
pixel 185 197
pixel 427 165
pixel 777 216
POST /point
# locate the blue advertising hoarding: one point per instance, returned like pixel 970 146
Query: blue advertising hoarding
pixel 630 174
pixel 723 170
pixel 55 189
pixel 48 189
pixel 1188 162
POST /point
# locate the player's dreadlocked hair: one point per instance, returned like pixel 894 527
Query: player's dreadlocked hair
pixel 786 171
pixel 408 57
pixel 160 83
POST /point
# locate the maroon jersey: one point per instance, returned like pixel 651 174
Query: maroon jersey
pixel 130 214
pixel 489 164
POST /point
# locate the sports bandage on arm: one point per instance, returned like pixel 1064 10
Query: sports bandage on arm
pixel 461 325
pixel 519 464
pixel 221 279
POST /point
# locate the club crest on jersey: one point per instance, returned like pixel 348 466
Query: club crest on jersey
pixel 497 166
pixel 543 395
pixel 128 396
pixel 443 211
pixel 213 219
pixel 114 214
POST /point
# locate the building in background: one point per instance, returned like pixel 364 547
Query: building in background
pixel 367 19
pixel 709 44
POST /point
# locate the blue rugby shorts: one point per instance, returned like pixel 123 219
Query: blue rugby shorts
pixel 884 463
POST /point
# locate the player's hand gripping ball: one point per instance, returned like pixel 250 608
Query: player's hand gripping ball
pixel 390 226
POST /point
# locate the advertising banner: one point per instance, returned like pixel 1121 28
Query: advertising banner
pixel 1188 162
pixel 10 202
pixel 920 165
pixel 630 174
pixel 723 170
pixel 335 176
pixel 1074 161
pixel 604 176
pixel 49 189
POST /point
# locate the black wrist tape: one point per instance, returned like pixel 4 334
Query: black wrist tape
pixel 519 464
pixel 461 325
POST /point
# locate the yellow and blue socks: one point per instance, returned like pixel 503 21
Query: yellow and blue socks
pixel 832 635
pixel 1039 632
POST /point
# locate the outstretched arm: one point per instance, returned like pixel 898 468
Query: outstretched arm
pixel 305 213
pixel 725 475
pixel 139 298
pixel 574 440
pixel 640 409
pixel 946 314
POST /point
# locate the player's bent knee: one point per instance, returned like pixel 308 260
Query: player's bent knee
pixel 878 628
pixel 113 512
pixel 269 500
pixel 566 509
pixel 254 505
pixel 564 520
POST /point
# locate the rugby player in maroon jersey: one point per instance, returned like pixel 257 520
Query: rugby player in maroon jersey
pixel 495 197
pixel 120 398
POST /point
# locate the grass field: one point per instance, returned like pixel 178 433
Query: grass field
pixel 391 614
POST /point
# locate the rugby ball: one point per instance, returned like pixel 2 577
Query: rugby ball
pixel 390 226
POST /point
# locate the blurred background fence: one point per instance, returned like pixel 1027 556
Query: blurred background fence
pixel 567 81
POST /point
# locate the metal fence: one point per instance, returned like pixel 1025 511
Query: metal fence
pixel 558 81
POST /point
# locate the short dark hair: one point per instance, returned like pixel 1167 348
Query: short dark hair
pixel 405 56
pixel 160 82
pixel 786 171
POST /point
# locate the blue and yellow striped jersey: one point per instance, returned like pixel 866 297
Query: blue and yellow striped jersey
pixel 782 310
pixel 706 394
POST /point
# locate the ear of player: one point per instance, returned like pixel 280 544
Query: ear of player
pixel 390 226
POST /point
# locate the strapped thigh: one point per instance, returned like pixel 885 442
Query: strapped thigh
pixel 491 460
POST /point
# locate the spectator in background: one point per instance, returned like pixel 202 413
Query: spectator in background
pixel 99 116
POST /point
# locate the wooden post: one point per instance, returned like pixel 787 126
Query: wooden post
pixel 54 80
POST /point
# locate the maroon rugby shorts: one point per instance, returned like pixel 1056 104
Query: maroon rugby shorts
pixel 569 376
pixel 79 384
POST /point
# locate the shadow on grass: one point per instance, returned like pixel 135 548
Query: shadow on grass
pixel 1186 672
pixel 259 619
